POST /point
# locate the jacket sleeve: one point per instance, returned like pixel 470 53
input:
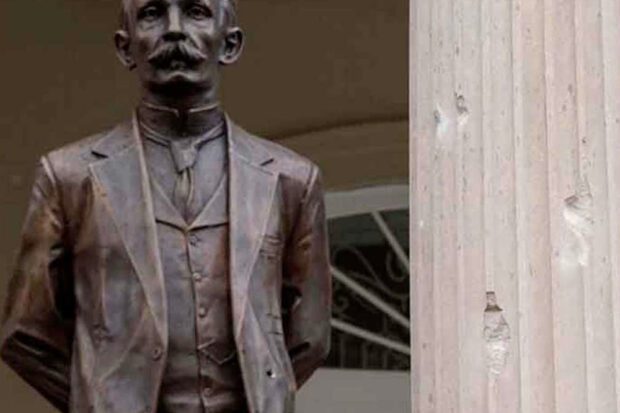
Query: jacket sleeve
pixel 36 336
pixel 307 290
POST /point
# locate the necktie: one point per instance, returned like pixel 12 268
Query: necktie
pixel 185 158
pixel 184 153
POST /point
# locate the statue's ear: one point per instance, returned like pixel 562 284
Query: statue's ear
pixel 232 47
pixel 122 41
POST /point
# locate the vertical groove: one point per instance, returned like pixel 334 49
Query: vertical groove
pixel 582 136
pixel 445 174
pixel 566 274
pixel 580 133
pixel 486 265
pixel 501 191
pixel 593 170
pixel 522 326
pixel 611 191
pixel 610 34
pixel 485 18
pixel 551 385
pixel 424 349
pixel 612 402
pixel 471 281
pixel 457 11
pixel 436 192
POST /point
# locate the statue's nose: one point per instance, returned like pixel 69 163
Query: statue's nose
pixel 175 30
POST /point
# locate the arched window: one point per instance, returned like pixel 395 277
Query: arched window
pixel 369 243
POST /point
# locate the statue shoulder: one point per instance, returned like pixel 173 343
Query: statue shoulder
pixel 70 162
pixel 288 163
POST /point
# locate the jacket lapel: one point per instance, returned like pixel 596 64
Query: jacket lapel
pixel 123 178
pixel 252 191
pixel 124 182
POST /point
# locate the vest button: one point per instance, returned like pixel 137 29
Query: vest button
pixel 193 240
pixel 202 312
pixel 197 276
pixel 157 353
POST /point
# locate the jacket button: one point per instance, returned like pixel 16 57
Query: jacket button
pixel 157 353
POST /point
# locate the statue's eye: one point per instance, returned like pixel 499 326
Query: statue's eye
pixel 199 12
pixel 150 13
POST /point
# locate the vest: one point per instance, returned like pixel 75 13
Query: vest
pixel 202 373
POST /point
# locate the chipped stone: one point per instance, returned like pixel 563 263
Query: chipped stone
pixel 579 221
pixel 463 113
pixel 496 336
pixel 443 128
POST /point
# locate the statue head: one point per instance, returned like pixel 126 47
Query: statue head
pixel 177 47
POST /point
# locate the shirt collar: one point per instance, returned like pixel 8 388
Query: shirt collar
pixel 175 123
pixel 184 150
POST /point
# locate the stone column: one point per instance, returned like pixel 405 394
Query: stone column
pixel 515 200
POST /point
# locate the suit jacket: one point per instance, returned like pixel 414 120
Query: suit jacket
pixel 86 316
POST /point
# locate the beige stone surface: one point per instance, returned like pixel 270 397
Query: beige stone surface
pixel 515 238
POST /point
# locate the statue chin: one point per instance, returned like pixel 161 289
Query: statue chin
pixel 179 82
pixel 178 77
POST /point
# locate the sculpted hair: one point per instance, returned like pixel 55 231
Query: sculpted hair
pixel 228 16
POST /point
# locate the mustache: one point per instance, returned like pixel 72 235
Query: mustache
pixel 183 51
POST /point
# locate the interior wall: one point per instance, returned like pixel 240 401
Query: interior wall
pixel 360 155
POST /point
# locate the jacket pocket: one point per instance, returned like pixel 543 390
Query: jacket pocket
pixel 219 353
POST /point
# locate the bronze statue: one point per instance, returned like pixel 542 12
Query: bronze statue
pixel 175 263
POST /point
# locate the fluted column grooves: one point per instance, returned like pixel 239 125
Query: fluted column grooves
pixel 515 180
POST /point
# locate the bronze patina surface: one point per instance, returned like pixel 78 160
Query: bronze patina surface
pixel 174 263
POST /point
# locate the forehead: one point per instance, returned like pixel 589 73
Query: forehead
pixel 132 5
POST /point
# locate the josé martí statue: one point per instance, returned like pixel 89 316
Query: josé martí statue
pixel 174 263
